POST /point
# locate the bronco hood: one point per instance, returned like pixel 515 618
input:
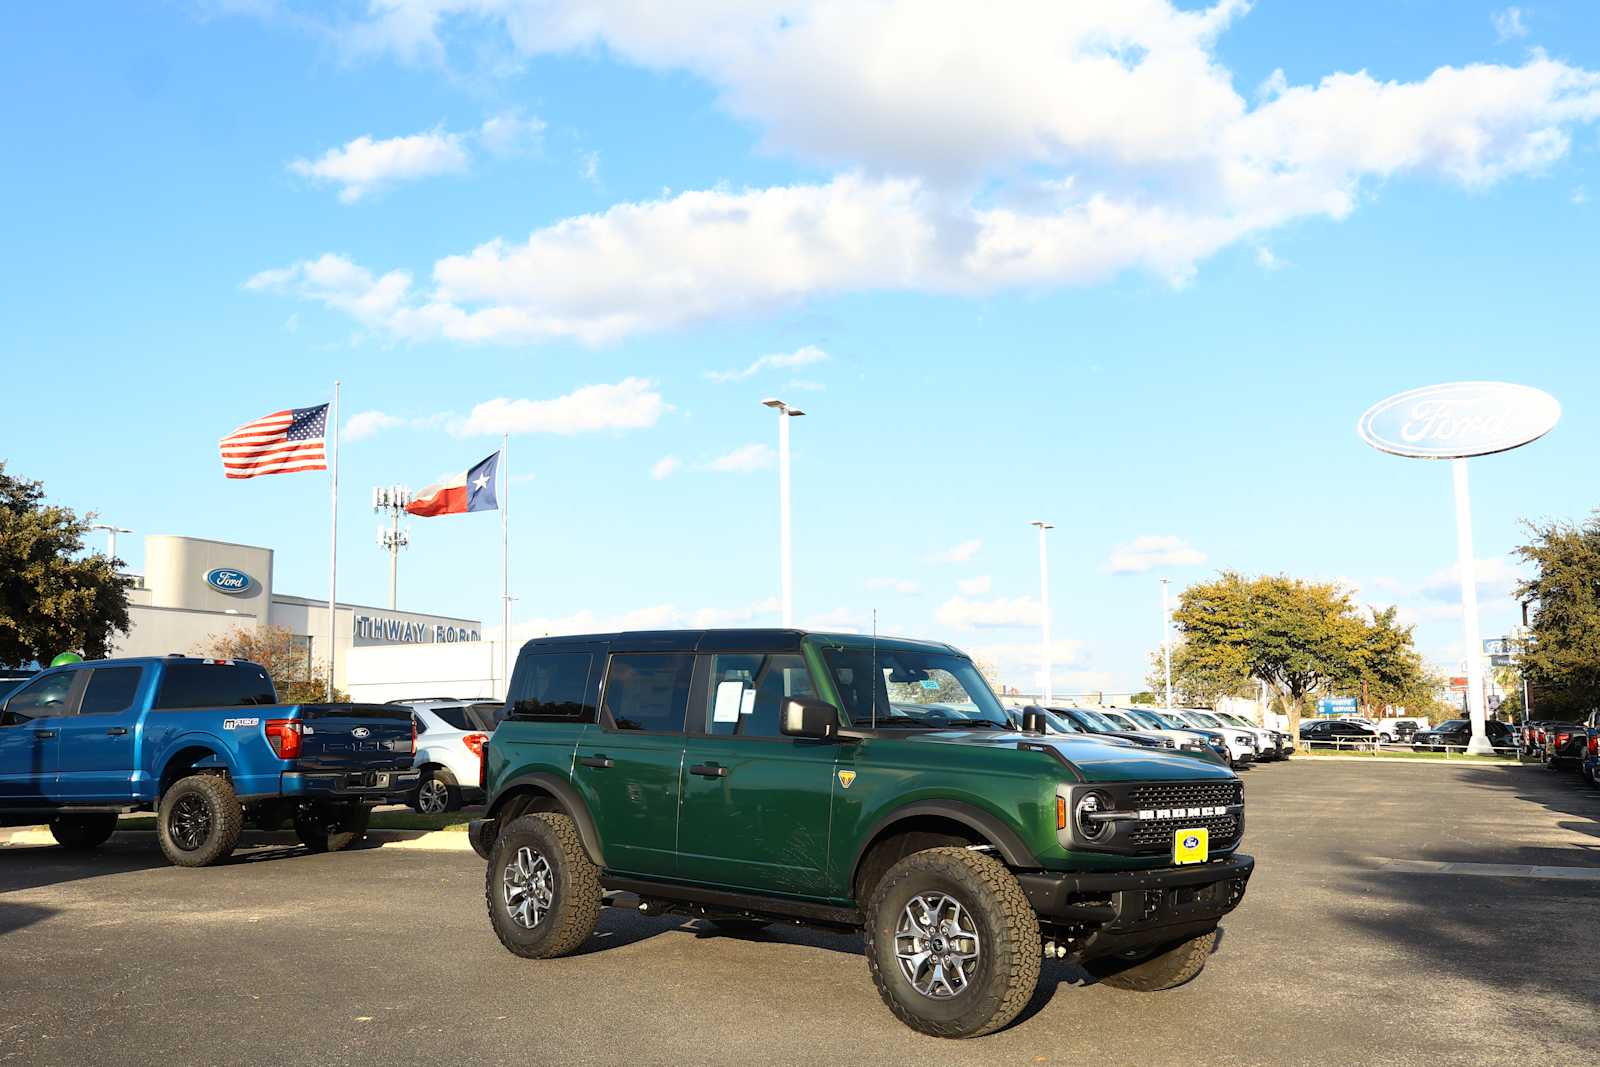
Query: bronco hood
pixel 1096 759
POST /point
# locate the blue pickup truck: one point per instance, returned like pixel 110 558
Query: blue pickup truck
pixel 204 744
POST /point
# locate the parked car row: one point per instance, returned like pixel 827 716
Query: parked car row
pixel 1566 745
pixel 1219 736
pixel 1452 735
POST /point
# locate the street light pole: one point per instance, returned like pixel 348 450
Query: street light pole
pixel 1166 639
pixel 785 544
pixel 111 537
pixel 1479 744
pixel 1044 602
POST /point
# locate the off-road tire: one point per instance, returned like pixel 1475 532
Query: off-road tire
pixel 223 811
pixel 575 903
pixel 736 926
pixel 82 833
pixel 1008 967
pixel 452 791
pixel 1168 968
pixel 331 828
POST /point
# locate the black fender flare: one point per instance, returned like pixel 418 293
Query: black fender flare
pixel 571 803
pixel 1006 841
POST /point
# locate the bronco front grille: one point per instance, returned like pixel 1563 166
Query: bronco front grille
pixel 1157 835
pixel 1183 795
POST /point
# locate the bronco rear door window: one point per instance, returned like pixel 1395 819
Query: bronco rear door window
pixel 552 686
pixel 649 691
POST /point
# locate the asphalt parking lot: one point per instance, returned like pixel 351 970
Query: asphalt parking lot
pixel 1355 945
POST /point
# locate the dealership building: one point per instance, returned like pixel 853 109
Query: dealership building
pixel 193 591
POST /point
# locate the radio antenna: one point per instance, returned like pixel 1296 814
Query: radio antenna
pixel 873 680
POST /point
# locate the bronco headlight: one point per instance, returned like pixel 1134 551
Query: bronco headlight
pixel 1091 804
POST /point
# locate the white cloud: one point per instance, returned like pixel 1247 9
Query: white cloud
pixel 743 460
pixel 509 133
pixel 1144 553
pixel 904 586
pixel 665 467
pixel 1268 260
pixel 362 165
pixel 1508 24
pixel 367 423
pixel 957 553
pixel 1579 197
pixel 966 614
pixel 589 167
pixel 974 586
pixel 839 620
pixel 631 404
pixel 1496 577
pixel 1020 664
pixel 966 158
pixel 800 357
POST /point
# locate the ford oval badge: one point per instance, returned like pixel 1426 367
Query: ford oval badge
pixel 1459 419
pixel 227 580
pixel 360 732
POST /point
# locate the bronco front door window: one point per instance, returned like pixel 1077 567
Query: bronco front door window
pixel 901 688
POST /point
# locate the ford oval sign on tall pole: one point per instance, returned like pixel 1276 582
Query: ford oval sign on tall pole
pixel 1456 421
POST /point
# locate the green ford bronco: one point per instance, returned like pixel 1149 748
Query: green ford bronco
pixel 757 776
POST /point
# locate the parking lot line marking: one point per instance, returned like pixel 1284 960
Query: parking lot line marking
pixel 1493 870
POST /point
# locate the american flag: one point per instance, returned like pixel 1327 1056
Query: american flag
pixel 281 443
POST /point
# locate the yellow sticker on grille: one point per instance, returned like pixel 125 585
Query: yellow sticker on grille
pixel 1191 846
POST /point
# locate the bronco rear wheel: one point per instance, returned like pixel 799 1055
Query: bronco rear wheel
pixel 1167 967
pixel 952 943
pixel 541 888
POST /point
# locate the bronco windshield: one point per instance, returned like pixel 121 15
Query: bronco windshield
pixel 909 689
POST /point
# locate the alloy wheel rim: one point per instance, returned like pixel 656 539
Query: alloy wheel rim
pixel 191 823
pixel 433 797
pixel 529 888
pixel 938 945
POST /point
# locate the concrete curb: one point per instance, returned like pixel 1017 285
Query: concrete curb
pixel 1473 761
pixel 429 840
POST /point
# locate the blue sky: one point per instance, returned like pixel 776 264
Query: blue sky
pixel 1100 265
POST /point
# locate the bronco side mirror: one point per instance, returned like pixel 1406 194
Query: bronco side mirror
pixel 808 717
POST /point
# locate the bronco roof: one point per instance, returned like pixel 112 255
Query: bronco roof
pixel 740 640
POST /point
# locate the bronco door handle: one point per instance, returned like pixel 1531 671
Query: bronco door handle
pixel 597 761
pixel 709 770
pixel 117 731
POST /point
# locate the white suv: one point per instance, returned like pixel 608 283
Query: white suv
pixel 1241 745
pixel 449 751
pixel 1267 745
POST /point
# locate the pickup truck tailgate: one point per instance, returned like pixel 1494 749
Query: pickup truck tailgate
pixel 348 737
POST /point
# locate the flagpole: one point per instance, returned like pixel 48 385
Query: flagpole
pixel 505 566
pixel 333 536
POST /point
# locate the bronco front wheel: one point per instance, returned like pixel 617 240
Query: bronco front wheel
pixel 541 888
pixel 952 943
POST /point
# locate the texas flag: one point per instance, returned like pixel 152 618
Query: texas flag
pixel 471 491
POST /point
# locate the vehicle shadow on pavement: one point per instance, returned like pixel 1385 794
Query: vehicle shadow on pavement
pixel 1053 975
pixel 1560 792
pixel 32 867
pixel 14 917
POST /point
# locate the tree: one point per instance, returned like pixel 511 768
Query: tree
pixel 53 598
pixel 1144 698
pixel 298 679
pixel 1562 660
pixel 1298 637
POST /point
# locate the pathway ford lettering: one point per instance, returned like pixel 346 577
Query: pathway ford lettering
pixel 226 580
pixel 759 776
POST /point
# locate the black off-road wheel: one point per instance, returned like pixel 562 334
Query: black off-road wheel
pixel 1166 968
pixel 331 827
pixel 82 833
pixel 541 888
pixel 952 943
pixel 199 820
pixel 437 793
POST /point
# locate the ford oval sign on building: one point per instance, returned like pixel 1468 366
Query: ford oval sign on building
pixel 1459 419
pixel 227 580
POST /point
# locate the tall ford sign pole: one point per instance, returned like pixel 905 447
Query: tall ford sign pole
pixel 1457 421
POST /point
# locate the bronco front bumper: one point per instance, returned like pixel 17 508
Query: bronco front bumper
pixel 1105 912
